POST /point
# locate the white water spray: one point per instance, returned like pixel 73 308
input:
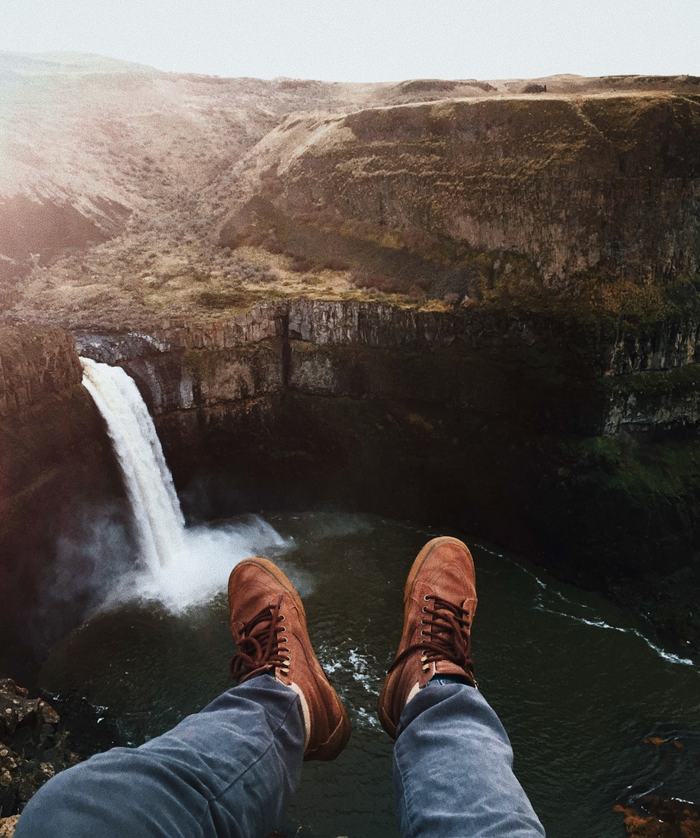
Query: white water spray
pixel 180 566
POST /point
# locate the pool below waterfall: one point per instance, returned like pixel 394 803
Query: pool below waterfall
pixel 595 712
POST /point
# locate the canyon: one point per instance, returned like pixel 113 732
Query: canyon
pixel 468 302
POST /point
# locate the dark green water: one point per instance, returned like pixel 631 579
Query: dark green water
pixel 577 689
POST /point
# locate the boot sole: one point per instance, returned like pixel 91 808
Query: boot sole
pixel 386 721
pixel 336 742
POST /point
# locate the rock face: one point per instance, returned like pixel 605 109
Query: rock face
pixel 553 192
pixel 645 373
pixel 35 745
pixel 56 466
pixel 29 746
pixel 527 428
pixel 654 817
pixel 36 365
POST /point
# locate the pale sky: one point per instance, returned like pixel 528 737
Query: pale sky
pixel 368 40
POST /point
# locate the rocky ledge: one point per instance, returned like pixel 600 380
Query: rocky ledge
pixel 32 746
pixel 655 817
pixel 35 744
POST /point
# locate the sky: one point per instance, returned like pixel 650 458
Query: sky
pixel 368 40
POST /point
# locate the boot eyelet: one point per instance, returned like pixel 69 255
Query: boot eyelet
pixel 426 597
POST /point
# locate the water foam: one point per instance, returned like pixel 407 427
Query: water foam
pixel 599 623
pixel 178 566
pixel 593 621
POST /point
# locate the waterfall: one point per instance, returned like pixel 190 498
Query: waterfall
pixel 160 525
pixel 179 566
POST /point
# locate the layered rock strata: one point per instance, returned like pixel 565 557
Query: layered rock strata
pixel 483 196
pixel 56 472
pixel 566 438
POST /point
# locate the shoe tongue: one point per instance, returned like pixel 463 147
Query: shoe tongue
pixel 449 668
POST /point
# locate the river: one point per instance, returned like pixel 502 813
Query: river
pixel 576 683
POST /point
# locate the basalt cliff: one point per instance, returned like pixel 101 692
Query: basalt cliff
pixel 56 469
pixel 470 303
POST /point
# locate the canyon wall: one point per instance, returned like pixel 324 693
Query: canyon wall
pixel 569 439
pixel 488 196
pixel 58 481
pixel 566 438
pixel 552 246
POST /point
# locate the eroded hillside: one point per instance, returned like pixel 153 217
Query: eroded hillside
pixel 128 195
pixel 595 196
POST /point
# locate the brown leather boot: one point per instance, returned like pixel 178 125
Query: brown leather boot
pixel 268 624
pixel 439 604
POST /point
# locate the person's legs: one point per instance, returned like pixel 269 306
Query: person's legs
pixel 453 764
pixel 228 770
pixel 453 769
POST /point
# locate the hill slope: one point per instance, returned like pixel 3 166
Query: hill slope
pixel 120 183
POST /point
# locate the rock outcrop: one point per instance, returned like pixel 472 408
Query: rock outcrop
pixel 56 467
pixel 655 817
pixel 31 749
pixel 488 197
pixel 35 744
pixel 35 365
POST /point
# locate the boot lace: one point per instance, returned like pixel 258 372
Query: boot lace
pixel 260 644
pixel 446 636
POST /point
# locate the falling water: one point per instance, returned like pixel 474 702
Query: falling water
pixel 159 522
pixel 179 566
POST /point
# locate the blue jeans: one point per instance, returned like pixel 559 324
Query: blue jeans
pixel 230 770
